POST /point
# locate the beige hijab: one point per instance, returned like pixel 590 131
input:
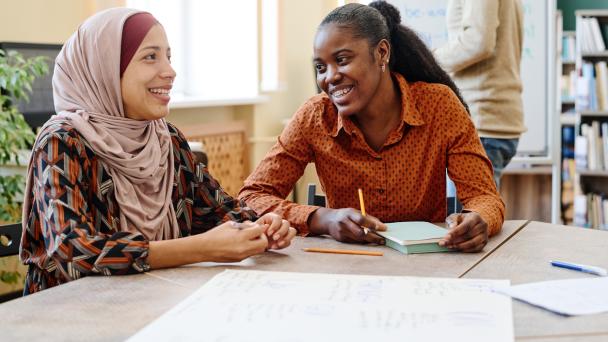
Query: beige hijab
pixel 138 155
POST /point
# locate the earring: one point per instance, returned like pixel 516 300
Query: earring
pixel 383 67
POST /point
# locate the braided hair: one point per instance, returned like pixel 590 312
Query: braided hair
pixel 410 56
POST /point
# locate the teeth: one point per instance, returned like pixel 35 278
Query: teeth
pixel 160 91
pixel 342 92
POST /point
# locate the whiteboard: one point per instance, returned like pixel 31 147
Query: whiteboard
pixel 428 18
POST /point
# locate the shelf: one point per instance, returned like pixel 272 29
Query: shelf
pixel 596 113
pixel 567 101
pixel 597 54
pixel 568 62
pixel 567 119
pixel 592 173
pixel 591 13
pixel 529 170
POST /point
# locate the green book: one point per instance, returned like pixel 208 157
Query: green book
pixel 414 237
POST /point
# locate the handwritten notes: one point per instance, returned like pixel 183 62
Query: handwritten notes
pixel 567 297
pixel 280 306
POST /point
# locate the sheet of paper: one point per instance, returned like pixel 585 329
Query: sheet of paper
pixel 567 297
pixel 280 306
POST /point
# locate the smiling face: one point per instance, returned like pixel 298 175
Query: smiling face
pixel 147 80
pixel 346 70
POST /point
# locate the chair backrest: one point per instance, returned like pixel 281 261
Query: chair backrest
pixel 454 205
pixel 10 238
pixel 226 145
pixel 313 198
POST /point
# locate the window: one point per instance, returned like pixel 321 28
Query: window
pixel 214 46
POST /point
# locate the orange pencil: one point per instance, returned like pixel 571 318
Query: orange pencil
pixel 361 202
pixel 343 251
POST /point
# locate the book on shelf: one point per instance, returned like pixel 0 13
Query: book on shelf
pixel 581 152
pixel 568 47
pixel 591 211
pixel 601 72
pixel 591 147
pixel 586 96
pixel 591 36
pixel 568 86
pixel 580 210
pixel 568 179
pixel 604 143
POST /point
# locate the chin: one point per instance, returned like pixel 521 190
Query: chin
pixel 346 110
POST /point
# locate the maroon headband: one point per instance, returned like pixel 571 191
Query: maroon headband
pixel 133 32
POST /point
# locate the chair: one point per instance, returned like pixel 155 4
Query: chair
pixel 226 146
pixel 454 205
pixel 313 198
pixel 10 239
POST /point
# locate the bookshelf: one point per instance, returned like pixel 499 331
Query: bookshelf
pixel 567 117
pixel 589 174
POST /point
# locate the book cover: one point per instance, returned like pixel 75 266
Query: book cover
pixel 414 237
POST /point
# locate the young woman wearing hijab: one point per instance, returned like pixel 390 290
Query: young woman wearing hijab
pixel 112 188
pixel 390 121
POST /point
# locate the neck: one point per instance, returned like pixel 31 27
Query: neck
pixel 384 112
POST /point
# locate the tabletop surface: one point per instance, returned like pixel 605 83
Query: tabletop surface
pixel 114 308
pixel 525 258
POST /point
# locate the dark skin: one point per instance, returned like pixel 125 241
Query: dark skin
pixel 351 73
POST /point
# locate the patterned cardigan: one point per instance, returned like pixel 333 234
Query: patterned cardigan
pixel 72 227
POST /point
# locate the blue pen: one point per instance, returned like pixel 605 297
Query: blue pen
pixel 581 268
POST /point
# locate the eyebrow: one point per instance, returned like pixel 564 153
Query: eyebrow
pixel 317 59
pixel 154 47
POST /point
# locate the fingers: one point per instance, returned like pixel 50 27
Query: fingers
pixel 368 221
pixel 373 237
pixel 469 232
pixel 453 220
pixel 273 221
pixel 252 231
pixel 350 231
pixel 459 225
pixel 286 241
pixel 475 244
pixel 260 244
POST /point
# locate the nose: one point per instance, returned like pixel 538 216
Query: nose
pixel 168 71
pixel 333 75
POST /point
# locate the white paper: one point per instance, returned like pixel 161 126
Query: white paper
pixel 567 297
pixel 280 306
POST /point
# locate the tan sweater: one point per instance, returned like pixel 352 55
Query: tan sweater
pixel 483 55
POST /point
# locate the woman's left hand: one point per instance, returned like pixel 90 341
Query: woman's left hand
pixel 468 232
pixel 279 232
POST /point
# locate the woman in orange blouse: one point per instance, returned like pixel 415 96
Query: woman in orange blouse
pixel 112 187
pixel 390 121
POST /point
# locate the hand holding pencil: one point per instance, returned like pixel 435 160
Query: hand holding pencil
pixel 346 225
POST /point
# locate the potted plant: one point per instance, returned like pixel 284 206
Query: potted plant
pixel 16 138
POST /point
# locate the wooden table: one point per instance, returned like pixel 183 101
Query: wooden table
pixel 525 259
pixel 114 308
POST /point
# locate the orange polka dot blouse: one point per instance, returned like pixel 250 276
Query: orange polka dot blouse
pixel 404 181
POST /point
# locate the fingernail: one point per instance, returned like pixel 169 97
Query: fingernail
pixel 276 236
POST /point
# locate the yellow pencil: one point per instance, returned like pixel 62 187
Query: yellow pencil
pixel 343 251
pixel 361 202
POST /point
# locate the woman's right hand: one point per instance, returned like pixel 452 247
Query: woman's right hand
pixel 346 225
pixel 228 242
pixel 233 241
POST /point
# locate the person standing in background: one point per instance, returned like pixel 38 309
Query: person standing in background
pixel 483 55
